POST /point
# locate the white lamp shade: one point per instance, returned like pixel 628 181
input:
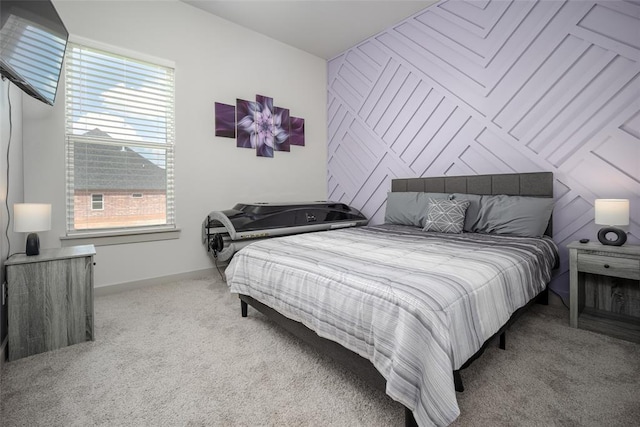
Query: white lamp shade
pixel 31 217
pixel 612 212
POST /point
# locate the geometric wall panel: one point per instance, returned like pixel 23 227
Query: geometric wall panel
pixel 494 87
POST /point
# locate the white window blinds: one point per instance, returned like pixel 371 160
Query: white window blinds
pixel 120 138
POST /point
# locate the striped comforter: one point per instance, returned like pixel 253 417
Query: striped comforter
pixel 416 304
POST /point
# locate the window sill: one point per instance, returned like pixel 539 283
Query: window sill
pixel 120 237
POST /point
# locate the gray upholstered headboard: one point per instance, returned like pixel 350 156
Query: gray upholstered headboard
pixel 534 184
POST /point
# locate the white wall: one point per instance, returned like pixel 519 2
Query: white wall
pixel 216 61
pixel 9 94
pixel 10 129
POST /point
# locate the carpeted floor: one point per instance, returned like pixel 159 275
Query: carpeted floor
pixel 180 354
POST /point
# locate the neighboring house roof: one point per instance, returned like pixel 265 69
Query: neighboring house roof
pixel 110 167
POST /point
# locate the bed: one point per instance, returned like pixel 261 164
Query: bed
pixel 404 308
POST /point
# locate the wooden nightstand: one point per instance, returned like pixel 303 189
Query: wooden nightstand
pixel 605 289
pixel 50 302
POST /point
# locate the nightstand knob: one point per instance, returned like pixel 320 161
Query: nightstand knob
pixel 606 266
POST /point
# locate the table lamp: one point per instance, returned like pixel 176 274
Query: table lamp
pixel 31 218
pixel 611 212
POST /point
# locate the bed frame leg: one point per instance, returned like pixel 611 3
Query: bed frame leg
pixel 409 420
pixel 543 297
pixel 243 308
pixel 457 381
pixel 503 340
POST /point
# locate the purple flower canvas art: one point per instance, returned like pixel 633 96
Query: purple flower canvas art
pixel 246 123
pixel 281 128
pixel 297 131
pixel 225 120
pixel 263 119
pixel 260 125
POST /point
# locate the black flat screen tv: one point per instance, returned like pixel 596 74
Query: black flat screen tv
pixel 33 40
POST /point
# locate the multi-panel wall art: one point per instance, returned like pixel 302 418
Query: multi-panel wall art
pixel 259 125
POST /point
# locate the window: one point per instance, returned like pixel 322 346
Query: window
pixel 120 141
pixel 97 202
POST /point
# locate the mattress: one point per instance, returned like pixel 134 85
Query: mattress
pixel 416 304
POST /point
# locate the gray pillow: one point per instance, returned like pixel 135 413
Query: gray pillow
pixel 515 215
pixel 446 216
pixel 409 208
pixel 473 211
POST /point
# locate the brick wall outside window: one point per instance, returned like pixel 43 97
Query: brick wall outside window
pixel 120 209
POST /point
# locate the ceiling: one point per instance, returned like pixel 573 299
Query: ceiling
pixel 324 28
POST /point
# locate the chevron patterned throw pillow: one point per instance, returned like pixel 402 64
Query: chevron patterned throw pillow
pixel 446 216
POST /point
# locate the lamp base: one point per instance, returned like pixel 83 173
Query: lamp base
pixel 621 236
pixel 33 244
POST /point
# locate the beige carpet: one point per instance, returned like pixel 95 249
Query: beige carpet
pixel 180 354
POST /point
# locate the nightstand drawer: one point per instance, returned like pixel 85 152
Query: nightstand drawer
pixel 609 266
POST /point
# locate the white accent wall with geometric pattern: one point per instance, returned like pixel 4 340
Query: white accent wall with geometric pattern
pixel 476 87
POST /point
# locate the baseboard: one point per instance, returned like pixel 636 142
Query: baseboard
pixel 120 287
pixel 555 300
